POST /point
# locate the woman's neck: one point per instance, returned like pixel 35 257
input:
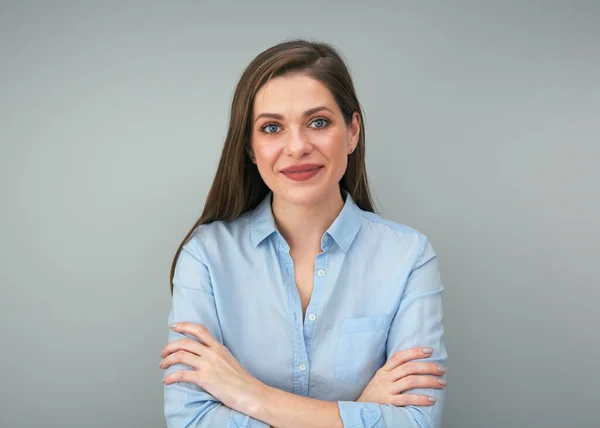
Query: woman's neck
pixel 302 226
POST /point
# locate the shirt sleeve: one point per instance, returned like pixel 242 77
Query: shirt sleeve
pixel 185 403
pixel 418 322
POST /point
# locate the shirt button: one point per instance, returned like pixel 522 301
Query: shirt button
pixel 326 238
pixel 302 367
pixel 312 317
pixel 321 272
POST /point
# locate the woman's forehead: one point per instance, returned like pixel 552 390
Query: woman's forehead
pixel 294 94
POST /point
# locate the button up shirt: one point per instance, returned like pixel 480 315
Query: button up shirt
pixel 377 290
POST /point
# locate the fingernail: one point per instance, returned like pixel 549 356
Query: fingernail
pixel 442 369
pixel 174 325
pixel 443 381
pixel 427 350
pixel 431 399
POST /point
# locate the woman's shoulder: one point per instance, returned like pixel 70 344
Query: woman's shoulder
pixel 390 231
pixel 387 226
pixel 399 237
pixel 218 232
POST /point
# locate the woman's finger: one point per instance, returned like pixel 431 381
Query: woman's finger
pixel 196 330
pixel 406 355
pixel 418 381
pixel 184 344
pixel 181 357
pixel 411 400
pixel 412 368
pixel 180 376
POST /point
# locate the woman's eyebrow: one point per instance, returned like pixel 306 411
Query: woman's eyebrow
pixel 305 114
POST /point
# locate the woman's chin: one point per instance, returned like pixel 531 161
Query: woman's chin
pixel 306 196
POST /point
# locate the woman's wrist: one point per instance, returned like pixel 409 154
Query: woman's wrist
pixel 285 409
pixel 253 399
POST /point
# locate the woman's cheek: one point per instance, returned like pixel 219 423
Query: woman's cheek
pixel 270 153
pixel 266 158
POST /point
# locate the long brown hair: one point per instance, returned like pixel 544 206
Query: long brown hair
pixel 238 186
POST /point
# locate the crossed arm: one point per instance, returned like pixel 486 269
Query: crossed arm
pixel 188 405
pixel 282 409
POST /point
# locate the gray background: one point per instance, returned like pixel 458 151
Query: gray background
pixel 483 132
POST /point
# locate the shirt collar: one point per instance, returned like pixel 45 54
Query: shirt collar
pixel 343 230
pixel 347 224
pixel 262 223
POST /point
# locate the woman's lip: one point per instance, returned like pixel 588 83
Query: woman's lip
pixel 304 170
pixel 302 175
pixel 308 168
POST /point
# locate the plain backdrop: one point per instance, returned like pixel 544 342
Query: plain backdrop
pixel 483 132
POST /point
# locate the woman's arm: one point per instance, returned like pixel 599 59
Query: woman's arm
pixel 283 409
pixel 185 403
pixel 418 322
pixel 217 370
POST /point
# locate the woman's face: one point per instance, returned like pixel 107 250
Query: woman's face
pixel 297 123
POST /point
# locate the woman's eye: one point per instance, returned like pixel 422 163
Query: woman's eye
pixel 273 128
pixel 269 128
pixel 321 123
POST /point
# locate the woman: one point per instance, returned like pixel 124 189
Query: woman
pixel 294 304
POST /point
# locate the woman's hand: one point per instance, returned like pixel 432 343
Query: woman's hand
pixel 400 374
pixel 215 369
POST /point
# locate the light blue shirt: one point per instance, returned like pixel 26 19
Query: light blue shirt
pixel 377 290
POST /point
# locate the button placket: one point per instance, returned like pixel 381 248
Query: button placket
pixel 300 376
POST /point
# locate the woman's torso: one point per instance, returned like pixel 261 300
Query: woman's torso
pixel 317 327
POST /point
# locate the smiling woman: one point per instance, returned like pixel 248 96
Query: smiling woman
pixel 301 133
pixel 293 303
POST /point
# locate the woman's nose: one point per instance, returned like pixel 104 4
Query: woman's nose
pixel 298 143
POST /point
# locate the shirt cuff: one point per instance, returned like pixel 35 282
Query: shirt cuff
pixel 240 420
pixel 359 415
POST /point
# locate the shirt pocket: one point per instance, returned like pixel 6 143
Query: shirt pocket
pixel 360 350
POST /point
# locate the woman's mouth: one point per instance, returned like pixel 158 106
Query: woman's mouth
pixel 304 174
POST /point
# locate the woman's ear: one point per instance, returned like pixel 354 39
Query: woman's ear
pixel 250 154
pixel 354 131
